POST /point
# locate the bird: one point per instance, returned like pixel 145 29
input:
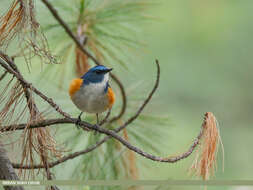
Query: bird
pixel 92 92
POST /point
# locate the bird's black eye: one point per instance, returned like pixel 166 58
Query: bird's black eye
pixel 99 71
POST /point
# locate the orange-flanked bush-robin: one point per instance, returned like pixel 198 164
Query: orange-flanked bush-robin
pixel 92 93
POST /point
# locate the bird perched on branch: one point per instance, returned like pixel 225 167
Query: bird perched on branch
pixel 92 93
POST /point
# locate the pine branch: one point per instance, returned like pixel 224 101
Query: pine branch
pixel 99 129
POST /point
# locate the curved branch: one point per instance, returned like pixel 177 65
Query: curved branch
pixel 63 159
pixel 89 149
pixel 81 47
pixel 110 134
pixel 121 140
pixel 131 119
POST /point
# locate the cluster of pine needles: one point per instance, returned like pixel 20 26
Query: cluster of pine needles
pixel 205 164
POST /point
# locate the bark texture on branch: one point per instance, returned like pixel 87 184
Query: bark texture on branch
pixel 6 170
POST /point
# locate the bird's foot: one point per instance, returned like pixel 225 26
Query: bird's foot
pixel 95 127
pixel 78 122
pixel 95 132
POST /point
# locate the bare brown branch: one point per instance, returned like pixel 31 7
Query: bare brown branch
pixel 120 139
pixel 113 134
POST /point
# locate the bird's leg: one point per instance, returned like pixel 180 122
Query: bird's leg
pixel 97 118
pixel 79 120
pixel 97 123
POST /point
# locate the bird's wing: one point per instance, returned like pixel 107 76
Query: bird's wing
pixel 75 85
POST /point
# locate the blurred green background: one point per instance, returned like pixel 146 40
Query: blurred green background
pixel 205 52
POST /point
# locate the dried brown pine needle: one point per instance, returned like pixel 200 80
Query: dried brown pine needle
pixel 20 22
pixel 11 98
pixel 37 142
pixel 133 165
pixel 130 164
pixel 128 160
pixel 82 64
pixel 12 22
pixel 205 164
pixel 131 159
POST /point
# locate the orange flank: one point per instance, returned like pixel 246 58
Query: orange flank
pixel 111 97
pixel 75 86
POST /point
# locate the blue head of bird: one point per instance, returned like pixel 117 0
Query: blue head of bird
pixel 97 74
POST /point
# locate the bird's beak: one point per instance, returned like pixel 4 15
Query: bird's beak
pixel 108 70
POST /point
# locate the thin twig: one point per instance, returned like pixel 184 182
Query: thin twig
pixel 131 119
pixel 81 47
